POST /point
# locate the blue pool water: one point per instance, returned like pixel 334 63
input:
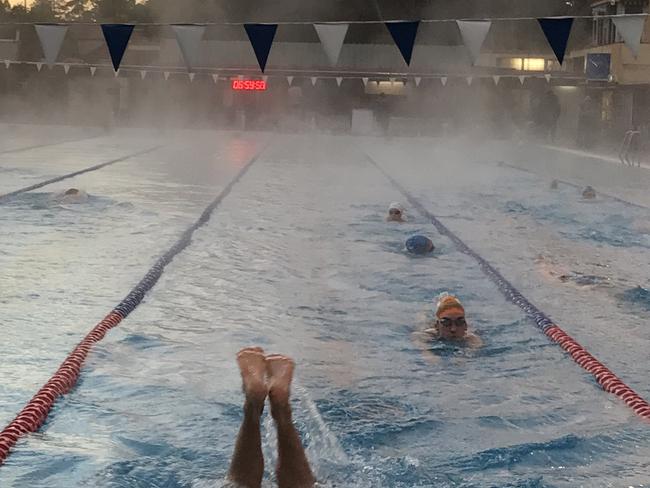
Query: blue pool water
pixel 298 259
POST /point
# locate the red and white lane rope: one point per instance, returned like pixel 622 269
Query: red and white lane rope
pixel 604 377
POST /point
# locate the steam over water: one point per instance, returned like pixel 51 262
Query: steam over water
pixel 299 259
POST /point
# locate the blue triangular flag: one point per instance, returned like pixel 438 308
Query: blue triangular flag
pixel 557 33
pixel 404 36
pixel 261 37
pixel 117 38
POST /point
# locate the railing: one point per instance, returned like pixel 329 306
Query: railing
pixel 627 151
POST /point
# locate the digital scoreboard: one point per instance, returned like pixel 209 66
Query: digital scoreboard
pixel 248 85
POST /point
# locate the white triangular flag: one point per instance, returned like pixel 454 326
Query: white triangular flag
pixel 521 79
pixel 215 78
pixel 39 66
pixel 7 63
pixel 339 80
pixel 443 80
pixel 166 75
pixel 191 76
pixel 143 74
pixel 66 68
pixel 51 37
pixel 265 78
pixel 418 79
pixel 93 70
pixel 331 37
pixel 365 80
pixel 240 77
pixel 496 79
pixel 474 33
pixel 469 80
pixel 630 27
pixel 117 73
pixel 314 80
pixel 290 80
pixel 189 41
pixel 548 77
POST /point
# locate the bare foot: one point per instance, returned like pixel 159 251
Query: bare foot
pixel 279 370
pixel 252 365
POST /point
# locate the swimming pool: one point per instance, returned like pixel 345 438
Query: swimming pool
pixel 298 259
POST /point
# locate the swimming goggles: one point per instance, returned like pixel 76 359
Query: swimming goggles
pixel 394 211
pixel 448 322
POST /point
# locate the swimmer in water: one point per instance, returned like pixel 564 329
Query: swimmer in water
pixel 450 325
pixel 72 195
pixel 396 213
pixel 270 376
pixel 419 244
pixel 588 193
pixel 554 185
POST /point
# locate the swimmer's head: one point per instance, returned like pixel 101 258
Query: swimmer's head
pixel 589 193
pixel 554 185
pixel 419 245
pixel 395 213
pixel 72 191
pixel 450 317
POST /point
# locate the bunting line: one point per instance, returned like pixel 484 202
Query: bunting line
pixel 356 22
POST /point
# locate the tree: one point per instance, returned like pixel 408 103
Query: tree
pixel 75 10
pixel 113 10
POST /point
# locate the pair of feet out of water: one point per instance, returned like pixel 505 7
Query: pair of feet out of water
pixel 268 376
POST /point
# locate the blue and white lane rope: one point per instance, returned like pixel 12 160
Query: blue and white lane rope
pixel 56 179
pixel 35 413
pixel 604 377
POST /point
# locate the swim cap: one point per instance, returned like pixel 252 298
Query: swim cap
pixel 396 206
pixel 448 302
pixel 589 192
pixel 419 245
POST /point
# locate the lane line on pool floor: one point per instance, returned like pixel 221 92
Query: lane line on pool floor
pixel 604 377
pixel 56 179
pixel 575 185
pixel 35 413
pixel 38 146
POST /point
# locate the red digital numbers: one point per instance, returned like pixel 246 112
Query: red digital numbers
pixel 249 85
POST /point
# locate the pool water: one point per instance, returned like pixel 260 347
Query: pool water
pixel 298 259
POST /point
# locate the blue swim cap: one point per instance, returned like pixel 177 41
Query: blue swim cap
pixel 419 245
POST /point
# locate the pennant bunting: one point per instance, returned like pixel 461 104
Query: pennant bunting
pixel 117 39
pixel 143 74
pixel 331 37
pixel 166 75
pixel 289 80
pixel 191 77
pixel 557 34
pixel 39 67
pixel 496 80
pixel 339 80
pixel 548 77
pixel 404 34
pixel 474 33
pixel 521 79
pixel 93 70
pixel 630 28
pixel 66 68
pixel 313 80
pixel 365 80
pixel 443 80
pixel 418 79
pixel 189 39
pixel 261 38
pixel 51 38
pixel 469 80
pixel 215 78
pixel 117 73
pixel 265 78
pixel 7 63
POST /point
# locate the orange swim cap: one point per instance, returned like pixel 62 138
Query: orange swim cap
pixel 448 302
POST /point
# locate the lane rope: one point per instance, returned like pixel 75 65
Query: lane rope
pixel 604 377
pixel 48 144
pixel 56 179
pixel 35 413
pixel 575 185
